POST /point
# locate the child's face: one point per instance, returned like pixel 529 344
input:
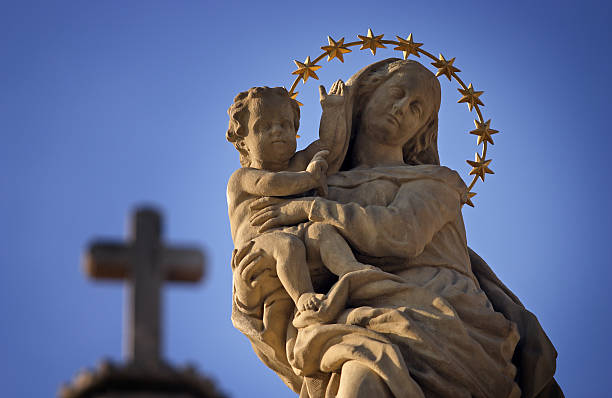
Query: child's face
pixel 271 138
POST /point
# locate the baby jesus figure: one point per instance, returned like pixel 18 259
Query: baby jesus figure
pixel 263 125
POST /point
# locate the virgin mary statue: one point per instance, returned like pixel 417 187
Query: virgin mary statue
pixel 430 319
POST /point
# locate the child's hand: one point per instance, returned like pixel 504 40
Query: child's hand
pixel 318 170
pixel 335 96
pixel 318 165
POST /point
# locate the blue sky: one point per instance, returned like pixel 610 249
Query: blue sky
pixel 110 104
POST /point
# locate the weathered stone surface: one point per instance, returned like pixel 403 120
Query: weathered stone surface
pixel 367 287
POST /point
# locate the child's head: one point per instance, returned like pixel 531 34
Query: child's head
pixel 263 125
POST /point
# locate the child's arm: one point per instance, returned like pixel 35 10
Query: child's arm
pixel 280 183
pixel 333 134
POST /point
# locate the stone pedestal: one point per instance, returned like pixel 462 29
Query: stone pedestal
pixel 111 380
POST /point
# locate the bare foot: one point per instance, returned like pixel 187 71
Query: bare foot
pixel 316 310
pixel 310 301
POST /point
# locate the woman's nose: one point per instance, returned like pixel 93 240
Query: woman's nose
pixel 399 105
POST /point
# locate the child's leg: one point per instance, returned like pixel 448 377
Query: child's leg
pixel 325 241
pixel 333 248
pixel 291 266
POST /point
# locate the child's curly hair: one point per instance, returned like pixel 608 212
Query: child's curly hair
pixel 239 116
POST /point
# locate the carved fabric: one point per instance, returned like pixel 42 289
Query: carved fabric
pixel 422 323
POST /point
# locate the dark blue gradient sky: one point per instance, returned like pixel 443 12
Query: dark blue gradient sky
pixel 105 105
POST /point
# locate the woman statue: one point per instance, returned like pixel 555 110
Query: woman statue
pixel 431 319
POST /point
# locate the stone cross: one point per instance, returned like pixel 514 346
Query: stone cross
pixel 145 263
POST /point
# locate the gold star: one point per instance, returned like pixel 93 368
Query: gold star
pixel 484 132
pixel 480 167
pixel 336 49
pixel 408 46
pixel 470 97
pixel 294 96
pixel 445 67
pixel 371 42
pixel 468 199
pixel 306 69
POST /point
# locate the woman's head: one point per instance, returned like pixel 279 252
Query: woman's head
pixel 396 102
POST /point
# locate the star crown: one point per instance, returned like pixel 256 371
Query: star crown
pixel 336 49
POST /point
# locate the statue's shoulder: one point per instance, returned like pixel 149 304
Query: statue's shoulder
pixel 400 175
pixel 235 184
pixel 238 176
pixel 450 176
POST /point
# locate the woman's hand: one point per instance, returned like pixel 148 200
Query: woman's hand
pixel 335 98
pixel 249 268
pixel 270 212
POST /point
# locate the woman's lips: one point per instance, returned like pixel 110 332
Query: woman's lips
pixel 395 119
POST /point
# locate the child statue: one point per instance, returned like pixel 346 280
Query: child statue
pixel 263 126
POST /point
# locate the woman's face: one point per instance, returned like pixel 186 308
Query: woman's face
pixel 397 109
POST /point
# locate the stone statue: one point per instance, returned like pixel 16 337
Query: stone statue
pixel 263 128
pixel 395 303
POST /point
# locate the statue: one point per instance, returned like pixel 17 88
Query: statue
pixel 263 128
pixel 418 313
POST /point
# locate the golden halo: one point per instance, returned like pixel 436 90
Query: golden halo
pixel 337 49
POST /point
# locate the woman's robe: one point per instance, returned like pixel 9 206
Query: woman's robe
pixel 425 321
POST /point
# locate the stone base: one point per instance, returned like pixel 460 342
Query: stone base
pixel 112 380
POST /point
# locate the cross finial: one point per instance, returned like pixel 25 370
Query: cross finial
pixel 145 263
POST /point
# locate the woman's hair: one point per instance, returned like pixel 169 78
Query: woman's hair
pixel 239 116
pixel 422 148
